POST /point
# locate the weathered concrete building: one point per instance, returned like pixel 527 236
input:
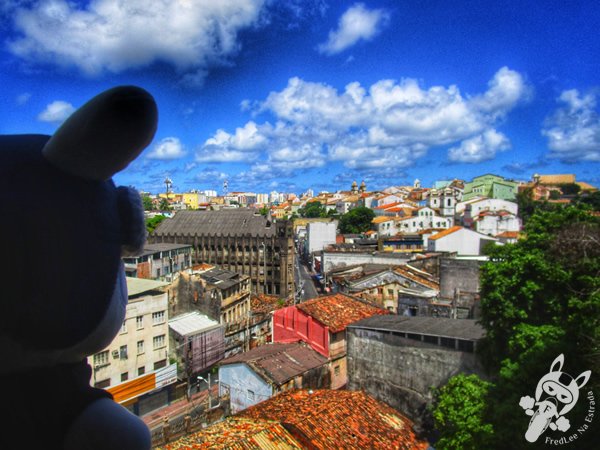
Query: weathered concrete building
pixel 240 240
pixel 398 359
pixel 159 261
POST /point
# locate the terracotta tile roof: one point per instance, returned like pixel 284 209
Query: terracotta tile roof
pixel 388 205
pixel 336 419
pixel 263 303
pixel 381 219
pixel 445 233
pixel 586 186
pixel 278 363
pixel 508 234
pixel 238 433
pixel 338 310
pixel 557 179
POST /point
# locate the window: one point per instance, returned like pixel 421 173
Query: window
pixel 124 327
pixel 250 395
pixel 158 317
pixel 123 352
pixel 101 359
pixel 124 376
pixel 102 384
pixel 158 341
pixel 139 322
pixel 336 371
pixel 141 370
pixel 160 364
pixel 140 347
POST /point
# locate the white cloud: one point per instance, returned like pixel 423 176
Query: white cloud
pixel 573 131
pixel 56 112
pixel 357 23
pixel 115 35
pixel 387 125
pixel 479 148
pixel 167 149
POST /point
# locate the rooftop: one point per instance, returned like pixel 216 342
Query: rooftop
pixel 150 249
pixel 238 433
pixel 338 310
pixel 192 323
pixel 278 363
pixel 467 329
pixel 445 233
pixel 222 278
pixel 136 286
pixel 235 222
pixel 327 419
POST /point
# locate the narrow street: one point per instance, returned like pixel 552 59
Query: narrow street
pixel 304 282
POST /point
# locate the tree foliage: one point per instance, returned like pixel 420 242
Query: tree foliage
pixel 458 414
pixel 312 210
pixel 153 222
pixel 147 203
pixel 357 220
pixel 540 297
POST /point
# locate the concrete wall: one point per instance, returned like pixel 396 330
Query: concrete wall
pixel 458 274
pixel 332 260
pixel 400 371
pixel 319 235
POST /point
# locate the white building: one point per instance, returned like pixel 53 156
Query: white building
pixel 137 361
pixel 320 234
pixel 459 240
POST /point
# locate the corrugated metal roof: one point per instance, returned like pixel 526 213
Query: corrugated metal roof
pixel 136 286
pixel 467 329
pixel 278 363
pixel 192 323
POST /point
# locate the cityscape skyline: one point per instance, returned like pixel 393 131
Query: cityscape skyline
pixel 287 96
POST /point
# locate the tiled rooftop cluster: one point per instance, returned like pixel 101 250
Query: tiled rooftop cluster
pixel 338 310
pixel 320 419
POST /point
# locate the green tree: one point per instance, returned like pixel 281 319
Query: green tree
pixel 459 414
pixel 164 205
pixel 147 203
pixel 313 210
pixel 357 220
pixel 153 222
pixel 540 297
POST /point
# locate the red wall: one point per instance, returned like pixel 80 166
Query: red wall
pixel 292 325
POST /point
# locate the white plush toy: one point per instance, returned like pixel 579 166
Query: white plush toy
pixel 65 226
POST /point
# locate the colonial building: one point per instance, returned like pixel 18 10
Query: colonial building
pixel 240 240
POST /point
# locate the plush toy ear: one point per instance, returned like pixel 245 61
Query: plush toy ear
pixel 557 363
pixel 103 136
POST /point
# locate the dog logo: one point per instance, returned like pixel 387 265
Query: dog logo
pixel 555 395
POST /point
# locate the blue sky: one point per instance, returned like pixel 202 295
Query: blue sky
pixel 290 95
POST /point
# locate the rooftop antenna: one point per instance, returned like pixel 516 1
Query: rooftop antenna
pixel 225 186
pixel 168 184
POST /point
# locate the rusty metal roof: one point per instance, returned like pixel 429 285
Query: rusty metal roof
pixel 338 310
pixel 238 433
pixel 327 419
pixel 278 363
